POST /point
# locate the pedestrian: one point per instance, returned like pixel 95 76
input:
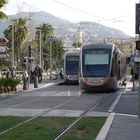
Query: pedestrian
pixel 61 75
pixel 40 74
pixel 11 72
pixel 25 78
pixel 35 75
pixel 134 72
pixel 39 70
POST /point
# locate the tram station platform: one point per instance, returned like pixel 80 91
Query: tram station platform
pixel 124 122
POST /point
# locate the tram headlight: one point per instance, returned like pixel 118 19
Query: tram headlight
pixel 69 77
pixel 101 81
pixel 88 81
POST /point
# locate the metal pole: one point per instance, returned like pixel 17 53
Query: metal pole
pixel 40 61
pixel 139 85
pixel 50 59
pixel 13 49
pixel 139 94
pixel 133 78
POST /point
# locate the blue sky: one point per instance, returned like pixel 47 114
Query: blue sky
pixel 118 14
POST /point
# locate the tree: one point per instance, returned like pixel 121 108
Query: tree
pixel 20 34
pixel 46 31
pixel 2 4
pixel 57 52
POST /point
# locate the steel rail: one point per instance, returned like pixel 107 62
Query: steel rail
pixel 92 107
pixel 40 114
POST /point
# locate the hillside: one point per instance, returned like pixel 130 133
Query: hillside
pixel 66 28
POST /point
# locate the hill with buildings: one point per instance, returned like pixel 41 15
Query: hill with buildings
pixel 65 29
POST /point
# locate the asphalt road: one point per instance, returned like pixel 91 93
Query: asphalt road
pixel 36 101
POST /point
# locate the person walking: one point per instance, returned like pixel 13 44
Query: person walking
pixel 35 75
pixel 25 78
pixel 39 69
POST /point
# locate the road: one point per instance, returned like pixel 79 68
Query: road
pixel 65 100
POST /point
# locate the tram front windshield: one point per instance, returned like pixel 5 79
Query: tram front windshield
pixel 96 62
pixel 72 63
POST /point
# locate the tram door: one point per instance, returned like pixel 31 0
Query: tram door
pixel 115 70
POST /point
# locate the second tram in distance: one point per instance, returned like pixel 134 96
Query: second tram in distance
pixel 71 67
pixel 102 65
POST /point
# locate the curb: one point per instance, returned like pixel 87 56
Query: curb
pixel 43 86
pixel 24 91
pixel 106 127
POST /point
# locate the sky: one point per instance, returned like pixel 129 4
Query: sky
pixel 119 14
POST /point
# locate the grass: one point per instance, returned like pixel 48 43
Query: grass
pixel 9 121
pixel 45 128
pixel 87 129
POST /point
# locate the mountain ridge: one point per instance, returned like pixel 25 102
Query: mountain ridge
pixel 65 28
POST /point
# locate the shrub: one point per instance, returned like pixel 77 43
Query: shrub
pixel 9 84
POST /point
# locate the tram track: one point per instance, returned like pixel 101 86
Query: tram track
pixel 53 108
pixel 46 111
pixel 91 108
pixel 78 119
pixel 28 101
pixel 38 115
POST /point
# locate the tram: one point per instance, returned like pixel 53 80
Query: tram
pixel 102 67
pixel 71 67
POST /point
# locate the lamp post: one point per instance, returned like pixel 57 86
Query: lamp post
pixel 40 46
pixel 13 48
pixel 50 41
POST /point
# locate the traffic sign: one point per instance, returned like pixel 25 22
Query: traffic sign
pixel 3 49
pixel 3 41
pixel 137 59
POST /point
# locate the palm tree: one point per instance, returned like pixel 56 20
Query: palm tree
pixel 20 34
pixel 2 4
pixel 46 31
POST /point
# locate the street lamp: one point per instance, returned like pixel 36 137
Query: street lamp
pixel 50 41
pixel 13 48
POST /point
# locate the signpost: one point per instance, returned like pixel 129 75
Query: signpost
pixel 137 27
pixel 3 49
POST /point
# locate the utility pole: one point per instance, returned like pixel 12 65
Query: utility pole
pixel 40 49
pixel 50 40
pixel 138 48
pixel 13 48
pixel 40 45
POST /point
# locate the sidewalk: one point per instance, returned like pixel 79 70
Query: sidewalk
pixel 120 126
pixel 40 85
pixel 19 88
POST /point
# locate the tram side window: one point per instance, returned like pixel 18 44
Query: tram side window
pixel 113 70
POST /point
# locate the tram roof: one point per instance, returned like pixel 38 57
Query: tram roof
pixel 72 53
pixel 98 45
